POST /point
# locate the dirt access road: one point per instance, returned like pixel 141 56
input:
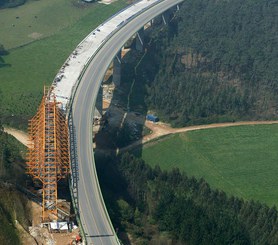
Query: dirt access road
pixel 19 135
pixel 158 130
pixel 162 129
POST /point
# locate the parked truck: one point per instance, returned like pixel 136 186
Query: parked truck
pixel 152 118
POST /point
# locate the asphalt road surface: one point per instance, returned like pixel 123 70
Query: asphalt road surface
pixel 93 214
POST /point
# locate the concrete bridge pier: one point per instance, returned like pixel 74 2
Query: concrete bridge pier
pixel 140 40
pixel 99 106
pixel 166 17
pixel 117 62
pixel 156 21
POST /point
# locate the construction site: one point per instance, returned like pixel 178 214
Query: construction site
pixel 48 165
pixel 48 160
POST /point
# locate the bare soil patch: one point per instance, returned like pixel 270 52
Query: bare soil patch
pixel 35 35
pixel 21 136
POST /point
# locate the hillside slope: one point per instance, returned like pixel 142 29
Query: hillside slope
pixel 13 204
pixel 215 62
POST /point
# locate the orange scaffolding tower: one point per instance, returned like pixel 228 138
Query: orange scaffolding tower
pixel 48 152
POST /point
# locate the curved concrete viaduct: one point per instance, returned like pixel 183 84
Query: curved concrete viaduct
pixel 79 98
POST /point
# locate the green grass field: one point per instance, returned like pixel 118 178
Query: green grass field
pixel 38 19
pixel 242 160
pixel 36 64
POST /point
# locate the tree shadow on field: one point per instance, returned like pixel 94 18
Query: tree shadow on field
pixel 3 62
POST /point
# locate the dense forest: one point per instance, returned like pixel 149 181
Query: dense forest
pixel 216 61
pixel 157 206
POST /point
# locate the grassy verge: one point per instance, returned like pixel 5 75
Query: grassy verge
pixel 239 160
pixel 36 64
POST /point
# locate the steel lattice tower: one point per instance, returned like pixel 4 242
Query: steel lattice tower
pixel 48 152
